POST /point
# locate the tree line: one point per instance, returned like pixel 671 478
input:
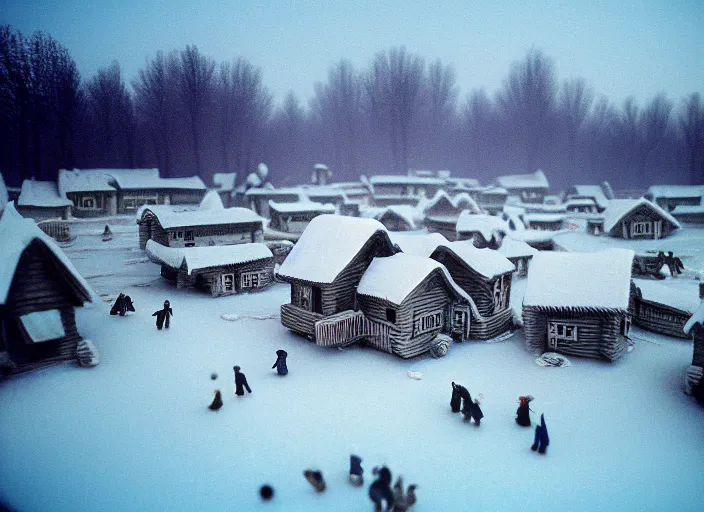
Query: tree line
pixel 187 114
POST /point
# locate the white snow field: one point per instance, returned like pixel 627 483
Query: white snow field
pixel 135 434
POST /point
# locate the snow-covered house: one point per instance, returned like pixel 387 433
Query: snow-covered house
pixel 581 205
pixel 98 192
pixel 694 328
pixel 221 270
pixel 257 199
pixel 485 275
pixel 519 253
pixel 355 191
pixel 493 199
pixel 325 195
pixel 392 190
pixel 321 174
pixel 661 309
pixel 482 230
pixel 545 221
pixel 530 188
pixel 224 183
pixel 39 289
pixel 293 218
pixel 198 228
pixel 411 299
pixel 324 269
pixel 442 211
pixel 668 197
pixel 637 219
pixel 594 192
pixel 396 217
pixel 578 303
pixel 41 200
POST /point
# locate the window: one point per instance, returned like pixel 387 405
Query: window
pixel 189 236
pixel 250 279
pixel 228 282
pixel 426 323
pixel 87 202
pixel 173 235
pixel 304 298
pixel 180 234
pixel 128 204
pixel 642 228
pixel 317 300
pixel 391 315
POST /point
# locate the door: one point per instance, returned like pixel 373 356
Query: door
pixel 460 321
pixel 561 334
pixel 317 300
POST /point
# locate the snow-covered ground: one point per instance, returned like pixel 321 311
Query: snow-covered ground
pixel 134 433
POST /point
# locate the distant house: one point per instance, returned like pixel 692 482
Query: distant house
pixel 519 253
pixel 695 329
pixel 637 219
pixel 325 195
pixel 394 190
pixel 257 199
pixel 324 269
pixel 530 188
pixel 355 192
pixel 198 228
pixel 221 270
pixel 293 218
pixel 593 192
pixel 661 309
pixel 482 230
pixel 39 290
pixel 578 303
pixel 581 205
pixel 493 199
pixel 41 200
pixel 321 174
pixel 545 221
pixel 396 217
pixel 99 192
pixel 668 197
pixel 442 211
pixel 224 183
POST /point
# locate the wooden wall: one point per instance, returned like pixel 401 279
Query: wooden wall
pixel 210 279
pixel 698 351
pixel 447 227
pixel 660 318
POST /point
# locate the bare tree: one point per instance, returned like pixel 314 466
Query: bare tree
pixel 655 128
pixel 601 132
pixel 393 86
pixel 575 102
pixel 440 99
pixel 691 124
pixel 196 92
pixel 479 117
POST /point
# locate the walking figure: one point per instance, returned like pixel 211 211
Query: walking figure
pixel 523 412
pixel 162 316
pixel 240 382
pixel 456 400
pixel 122 305
pixel 380 490
pixel 280 363
pixel 541 440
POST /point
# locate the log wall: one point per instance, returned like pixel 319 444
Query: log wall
pixel 660 318
pixel 299 320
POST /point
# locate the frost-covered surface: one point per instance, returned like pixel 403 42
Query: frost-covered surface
pixel 327 245
pixel 683 209
pixel 580 280
pixel 405 180
pixel 696 318
pixel 168 218
pixel 672 292
pixel 487 262
pixel 16 233
pixel 536 179
pixel 534 235
pixel 274 192
pixel 512 248
pixel 3 194
pixel 301 206
pixel 485 224
pixel 95 180
pixel 544 217
pixel 135 181
pixel 594 191
pixel 134 433
pixel 619 208
pixel 418 244
pixel 41 193
pixel 674 191
pixel 196 258
pixel 211 201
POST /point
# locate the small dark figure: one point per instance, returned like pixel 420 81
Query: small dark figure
pixel 698 391
pixel 266 492
pixel 679 266
pixel 119 305
pixel 217 401
pixel 107 234
pixel 456 400
pixel 162 316
pixel 523 412
pixel 213 376
pixel 240 382
pixel 356 470
pixel 470 408
pixel 129 305
pixel 280 363
pixel 674 264
pixel 315 478
pixel 541 440
pixel 402 502
pixel 380 490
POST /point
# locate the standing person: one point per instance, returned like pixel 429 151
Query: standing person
pixel 216 403
pixel 471 409
pixel 118 306
pixel 380 490
pixel 129 305
pixel 240 382
pixel 523 412
pixel 456 400
pixel 162 316
pixel 356 470
pixel 280 363
pixel 541 440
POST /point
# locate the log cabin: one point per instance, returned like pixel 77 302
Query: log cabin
pixel 198 228
pixel 257 198
pixel 669 197
pixel 220 270
pixel 293 218
pixel 530 188
pixel 638 219
pixel 39 291
pixel 442 212
pixel 519 253
pixel 492 199
pixel 578 303
pixel 482 230
pixel 694 328
pixel 41 200
pixel 594 192
pixel 389 189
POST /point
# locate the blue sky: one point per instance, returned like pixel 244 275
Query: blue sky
pixel 621 48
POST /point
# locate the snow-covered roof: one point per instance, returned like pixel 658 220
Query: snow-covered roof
pixel 168 218
pixel 407 212
pixel 512 248
pixel 484 224
pixel 405 180
pixel 595 280
pixel 16 234
pixel 619 208
pixel 87 180
pixel 583 201
pixel 322 167
pixel 196 258
pixel 544 217
pixel 136 181
pixel 41 193
pixel 536 179
pixel 462 200
pixel 211 201
pixel 486 262
pixel 323 191
pixel 684 209
pixel 533 235
pixel 418 244
pixel 674 191
pixel 273 192
pixel 96 180
pixel 326 246
pixel 684 296
pixel 225 181
pixel 301 206
pixel 491 191
pixel 393 278
pixel 696 318
pixel 594 191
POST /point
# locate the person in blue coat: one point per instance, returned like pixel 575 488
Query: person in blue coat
pixel 280 363
pixel 240 382
pixel 541 440
pixel 356 470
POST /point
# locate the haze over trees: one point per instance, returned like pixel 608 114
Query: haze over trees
pixel 187 114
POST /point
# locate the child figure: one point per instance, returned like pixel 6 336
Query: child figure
pixel 523 412
pixel 356 470
pixel 240 382
pixel 541 440
pixel 162 316
pixel 216 403
pixel 280 363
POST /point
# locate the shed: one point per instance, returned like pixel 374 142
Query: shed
pixel 577 303
pixel 39 289
pixel 531 188
pixel 222 270
pixel 41 200
pixel 593 192
pixel 519 253
pixel 638 219
pixel 198 228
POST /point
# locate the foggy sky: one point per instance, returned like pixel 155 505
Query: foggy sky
pixel 621 48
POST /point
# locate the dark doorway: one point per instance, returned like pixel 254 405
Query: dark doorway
pixel 317 300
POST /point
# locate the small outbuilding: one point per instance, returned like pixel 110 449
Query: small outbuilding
pixel 638 219
pixel 661 309
pixel 530 188
pixel 545 221
pixel 578 303
pixel 293 218
pixel 482 230
pixel 41 200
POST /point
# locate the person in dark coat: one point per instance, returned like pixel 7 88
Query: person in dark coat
pixel 119 305
pixel 471 409
pixel 456 400
pixel 315 478
pixel 541 440
pixel 162 316
pixel 356 470
pixel 240 382
pixel 523 412
pixel 129 305
pixel 380 491
pixel 216 402
pixel 280 363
